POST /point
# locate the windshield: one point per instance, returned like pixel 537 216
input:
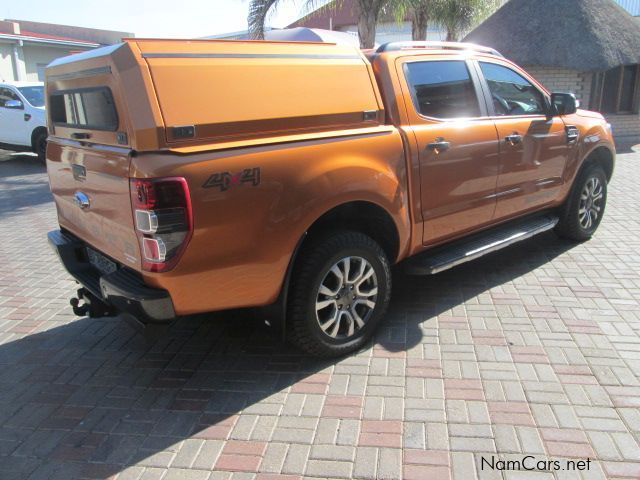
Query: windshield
pixel 34 95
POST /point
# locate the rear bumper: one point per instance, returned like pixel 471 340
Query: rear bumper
pixel 122 289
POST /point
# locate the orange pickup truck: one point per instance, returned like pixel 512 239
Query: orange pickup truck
pixel 195 176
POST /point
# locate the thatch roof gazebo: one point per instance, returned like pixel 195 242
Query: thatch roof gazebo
pixel 590 47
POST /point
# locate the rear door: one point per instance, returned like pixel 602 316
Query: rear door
pixel 457 145
pixel 88 159
pixel 533 146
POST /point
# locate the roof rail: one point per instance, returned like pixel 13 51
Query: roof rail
pixel 394 46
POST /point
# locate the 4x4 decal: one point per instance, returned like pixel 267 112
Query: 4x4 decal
pixel 226 180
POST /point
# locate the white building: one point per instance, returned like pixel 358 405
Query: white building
pixel 26 48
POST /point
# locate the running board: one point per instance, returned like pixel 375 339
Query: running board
pixel 448 256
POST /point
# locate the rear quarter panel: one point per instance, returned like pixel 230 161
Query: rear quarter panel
pixel 245 235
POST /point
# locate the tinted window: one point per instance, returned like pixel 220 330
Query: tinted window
pixel 34 95
pixel 442 89
pixel 7 94
pixel 512 94
pixel 84 108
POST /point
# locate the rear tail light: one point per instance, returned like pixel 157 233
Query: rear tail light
pixel 163 220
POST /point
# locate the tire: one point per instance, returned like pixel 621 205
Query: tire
pixel 583 210
pixel 310 307
pixel 40 146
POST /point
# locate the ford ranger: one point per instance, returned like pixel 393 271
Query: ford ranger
pixel 198 176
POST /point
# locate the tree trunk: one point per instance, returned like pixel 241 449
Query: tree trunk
pixel 452 35
pixel 367 21
pixel 419 20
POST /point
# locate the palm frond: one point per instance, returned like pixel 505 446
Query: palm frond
pixel 258 12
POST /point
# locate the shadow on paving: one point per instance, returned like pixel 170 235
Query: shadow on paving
pixel 17 194
pixel 92 397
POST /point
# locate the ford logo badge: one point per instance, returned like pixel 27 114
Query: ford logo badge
pixel 82 200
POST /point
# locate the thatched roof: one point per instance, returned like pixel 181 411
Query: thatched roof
pixel 584 35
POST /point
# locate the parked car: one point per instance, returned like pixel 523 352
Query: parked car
pixel 194 176
pixel 23 120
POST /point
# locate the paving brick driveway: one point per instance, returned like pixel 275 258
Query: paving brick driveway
pixel 531 351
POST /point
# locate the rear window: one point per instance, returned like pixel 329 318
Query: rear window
pixel 88 108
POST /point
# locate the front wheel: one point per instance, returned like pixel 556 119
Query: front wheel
pixel 339 293
pixel 582 212
pixel 40 146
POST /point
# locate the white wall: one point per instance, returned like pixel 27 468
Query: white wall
pixel 35 55
pixel 6 62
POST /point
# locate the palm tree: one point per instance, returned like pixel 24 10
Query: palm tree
pixel 368 14
pixel 418 10
pixel 458 16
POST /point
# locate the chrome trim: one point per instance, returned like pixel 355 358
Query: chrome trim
pixel 81 199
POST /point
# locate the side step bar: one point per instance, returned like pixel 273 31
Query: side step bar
pixel 448 256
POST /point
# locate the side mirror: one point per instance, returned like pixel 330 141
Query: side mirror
pixel 13 104
pixel 564 103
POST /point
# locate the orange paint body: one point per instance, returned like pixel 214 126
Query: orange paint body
pixel 325 125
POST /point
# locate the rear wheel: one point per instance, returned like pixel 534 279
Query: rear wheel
pixel 339 293
pixel 582 213
pixel 40 145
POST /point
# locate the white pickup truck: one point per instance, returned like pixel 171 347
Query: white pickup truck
pixel 23 121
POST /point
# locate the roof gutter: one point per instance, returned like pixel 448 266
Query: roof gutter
pixel 49 41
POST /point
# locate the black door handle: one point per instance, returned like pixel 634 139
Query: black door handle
pixel 80 135
pixel 439 145
pixel 513 139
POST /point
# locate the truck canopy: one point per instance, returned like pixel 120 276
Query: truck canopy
pixel 159 94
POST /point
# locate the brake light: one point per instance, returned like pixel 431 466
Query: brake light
pixel 163 220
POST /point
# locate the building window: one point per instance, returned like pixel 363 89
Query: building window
pixel 616 90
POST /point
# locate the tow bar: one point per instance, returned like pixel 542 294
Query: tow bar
pixel 91 305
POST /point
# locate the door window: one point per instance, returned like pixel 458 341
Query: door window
pixel 442 89
pixel 511 93
pixel 7 94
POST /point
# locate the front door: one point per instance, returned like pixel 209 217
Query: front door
pixel 533 145
pixel 457 146
pixel 12 120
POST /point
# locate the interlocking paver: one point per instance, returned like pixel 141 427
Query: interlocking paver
pixel 533 350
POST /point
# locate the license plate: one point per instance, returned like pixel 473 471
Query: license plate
pixel 101 262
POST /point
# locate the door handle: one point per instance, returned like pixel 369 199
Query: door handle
pixel 440 145
pixel 514 139
pixel 80 135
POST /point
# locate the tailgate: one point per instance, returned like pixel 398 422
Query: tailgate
pixel 90 187
pixel 89 149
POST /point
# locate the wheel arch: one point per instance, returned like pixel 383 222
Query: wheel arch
pixel 602 156
pixel 360 215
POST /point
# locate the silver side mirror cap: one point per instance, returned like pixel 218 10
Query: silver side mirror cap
pixel 14 104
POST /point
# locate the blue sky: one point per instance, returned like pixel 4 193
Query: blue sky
pixel 149 18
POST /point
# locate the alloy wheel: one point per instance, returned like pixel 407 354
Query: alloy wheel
pixel 346 297
pixel 590 203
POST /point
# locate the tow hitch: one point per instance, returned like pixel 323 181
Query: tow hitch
pixel 91 305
